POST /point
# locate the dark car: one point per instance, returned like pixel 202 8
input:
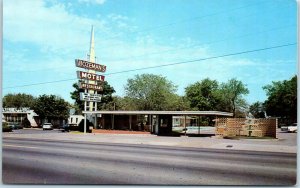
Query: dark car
pixel 16 126
pixel 65 128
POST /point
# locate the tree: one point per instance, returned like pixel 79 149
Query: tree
pixel 179 103
pixel 18 100
pixel 150 92
pixel 105 100
pixel 107 97
pixel 123 103
pixel 203 95
pixel 257 110
pixel 79 105
pixel 282 99
pixel 51 107
pixel 232 93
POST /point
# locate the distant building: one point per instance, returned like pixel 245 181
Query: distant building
pixel 74 120
pixel 15 116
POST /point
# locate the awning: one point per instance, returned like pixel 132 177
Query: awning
pixel 196 113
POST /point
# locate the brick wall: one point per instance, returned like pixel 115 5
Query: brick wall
pixel 246 127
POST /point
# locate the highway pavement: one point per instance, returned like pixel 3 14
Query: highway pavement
pixel 42 161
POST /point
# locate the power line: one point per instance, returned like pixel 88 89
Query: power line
pixel 40 83
pixel 208 58
pixel 165 65
pixel 176 49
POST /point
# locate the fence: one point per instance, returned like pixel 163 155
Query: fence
pixel 246 127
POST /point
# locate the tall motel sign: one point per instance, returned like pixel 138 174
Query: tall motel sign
pixel 91 82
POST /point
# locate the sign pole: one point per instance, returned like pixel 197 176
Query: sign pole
pixel 84 118
pixel 95 115
pixel 84 126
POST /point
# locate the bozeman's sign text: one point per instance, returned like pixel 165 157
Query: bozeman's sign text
pixel 90 76
pixel 90 65
pixel 90 86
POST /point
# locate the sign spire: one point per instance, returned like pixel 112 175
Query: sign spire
pixel 92 57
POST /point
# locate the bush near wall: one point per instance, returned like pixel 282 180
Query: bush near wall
pixel 6 128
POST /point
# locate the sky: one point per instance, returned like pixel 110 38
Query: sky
pixel 42 39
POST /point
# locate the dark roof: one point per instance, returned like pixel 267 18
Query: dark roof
pixel 204 113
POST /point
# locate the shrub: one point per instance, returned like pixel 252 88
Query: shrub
pixel 26 123
pixel 88 124
pixel 6 128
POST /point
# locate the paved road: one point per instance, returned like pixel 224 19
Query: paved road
pixel 68 162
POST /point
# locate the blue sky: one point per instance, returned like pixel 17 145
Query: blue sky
pixel 41 40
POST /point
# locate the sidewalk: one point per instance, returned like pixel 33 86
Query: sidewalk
pixel 148 139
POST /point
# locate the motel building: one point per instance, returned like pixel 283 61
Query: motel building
pixel 155 122
pixel 175 123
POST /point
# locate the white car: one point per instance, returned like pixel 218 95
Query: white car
pixel 47 126
pixel 292 128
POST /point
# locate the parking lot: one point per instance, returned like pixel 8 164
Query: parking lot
pixel 284 138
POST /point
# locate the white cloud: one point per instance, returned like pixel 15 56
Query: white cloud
pixel 53 28
pixel 115 17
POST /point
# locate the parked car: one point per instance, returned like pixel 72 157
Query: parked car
pixel 284 128
pixel 65 128
pixel 47 126
pixel 290 128
pixel 15 126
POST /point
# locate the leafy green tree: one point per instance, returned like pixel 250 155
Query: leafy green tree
pixel 232 93
pixel 150 92
pixel 79 105
pixel 257 110
pixel 106 99
pixel 18 100
pixel 51 107
pixel 179 103
pixel 123 103
pixel 203 95
pixel 282 99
